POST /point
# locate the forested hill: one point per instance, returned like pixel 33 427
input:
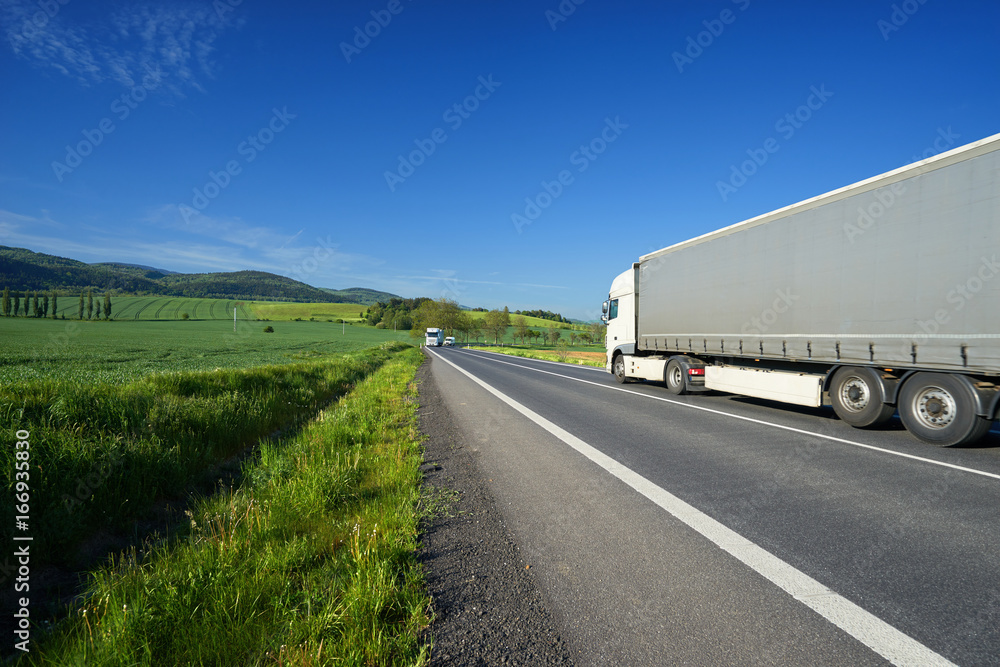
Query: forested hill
pixel 22 269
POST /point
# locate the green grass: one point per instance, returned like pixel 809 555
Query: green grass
pixel 106 452
pixel 271 310
pixel 310 561
pixel 581 356
pixel 122 351
pixel 158 308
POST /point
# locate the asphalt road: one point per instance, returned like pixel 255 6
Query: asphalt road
pixel 718 530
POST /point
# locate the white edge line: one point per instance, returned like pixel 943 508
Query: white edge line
pixel 832 438
pixel 895 646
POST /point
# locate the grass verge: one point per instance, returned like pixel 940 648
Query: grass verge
pixel 103 453
pixel 595 359
pixel 310 561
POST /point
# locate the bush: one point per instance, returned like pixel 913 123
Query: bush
pixel 268 329
pixel 185 316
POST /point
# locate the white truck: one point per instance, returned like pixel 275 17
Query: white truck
pixel 880 296
pixel 434 337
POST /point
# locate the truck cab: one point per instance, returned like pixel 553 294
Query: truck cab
pixel 434 337
pixel 619 314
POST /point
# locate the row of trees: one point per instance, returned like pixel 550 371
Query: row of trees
pixel 446 314
pixel 543 315
pixel 396 314
pixel 39 306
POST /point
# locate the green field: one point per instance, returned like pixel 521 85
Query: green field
pixel 123 350
pixel 305 555
pixel 158 308
pixel 272 310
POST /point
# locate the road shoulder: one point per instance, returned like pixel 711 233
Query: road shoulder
pixel 487 608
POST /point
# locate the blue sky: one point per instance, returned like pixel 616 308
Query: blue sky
pixel 497 153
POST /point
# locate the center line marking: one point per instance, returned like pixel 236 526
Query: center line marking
pixel 893 645
pixel 832 438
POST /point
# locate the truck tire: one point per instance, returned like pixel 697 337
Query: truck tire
pixel 858 396
pixel 674 378
pixel 618 369
pixel 940 409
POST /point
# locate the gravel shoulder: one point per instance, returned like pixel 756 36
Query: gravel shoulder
pixel 487 608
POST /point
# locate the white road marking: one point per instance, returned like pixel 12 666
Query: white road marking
pixel 832 438
pixel 873 632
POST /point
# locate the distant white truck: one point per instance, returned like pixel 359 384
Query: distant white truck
pixel 434 337
pixel 880 296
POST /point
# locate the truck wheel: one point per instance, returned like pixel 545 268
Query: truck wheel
pixel 940 409
pixel 674 378
pixel 857 396
pixel 618 369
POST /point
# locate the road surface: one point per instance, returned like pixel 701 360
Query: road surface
pixel 714 529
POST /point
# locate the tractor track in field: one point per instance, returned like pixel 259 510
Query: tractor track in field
pixel 159 310
pixel 144 307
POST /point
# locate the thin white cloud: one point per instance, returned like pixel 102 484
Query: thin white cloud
pixel 451 278
pixel 171 43
pixel 210 244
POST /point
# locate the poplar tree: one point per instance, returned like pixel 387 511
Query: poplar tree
pixel 45 306
pixel 6 302
pixel 98 310
pixel 53 304
pixel 80 312
pixel 17 303
pixel 35 307
pixel 107 305
pixel 90 304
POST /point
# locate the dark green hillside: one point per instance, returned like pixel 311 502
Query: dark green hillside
pixel 23 270
pixel 360 295
pixel 245 285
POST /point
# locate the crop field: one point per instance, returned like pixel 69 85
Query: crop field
pixel 207 496
pixel 160 308
pixel 122 350
pixel 274 310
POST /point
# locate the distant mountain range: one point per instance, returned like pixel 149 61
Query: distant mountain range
pixel 24 270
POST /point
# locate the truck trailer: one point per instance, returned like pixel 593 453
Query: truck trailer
pixel 880 296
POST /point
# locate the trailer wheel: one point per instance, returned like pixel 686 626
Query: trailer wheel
pixel 940 409
pixel 674 377
pixel 858 397
pixel 618 369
